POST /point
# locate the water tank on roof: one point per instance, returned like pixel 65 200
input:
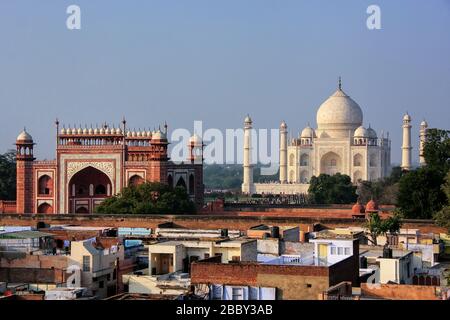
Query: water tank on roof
pixel 275 232
pixel 387 252
pixel 224 233
pixel 363 263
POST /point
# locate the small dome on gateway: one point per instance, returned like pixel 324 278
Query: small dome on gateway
pixel 248 119
pixel 158 135
pixel 424 124
pixel 96 131
pixel 118 131
pixel 90 131
pixel 283 125
pixel 102 131
pixel 63 131
pixel 149 134
pixel 85 131
pixel 24 136
pixel 195 139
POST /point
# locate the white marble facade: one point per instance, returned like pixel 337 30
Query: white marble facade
pixel 340 143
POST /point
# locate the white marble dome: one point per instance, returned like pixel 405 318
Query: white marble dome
pixel 308 132
pixel 158 135
pixel 361 132
pixel 339 111
pixel 371 133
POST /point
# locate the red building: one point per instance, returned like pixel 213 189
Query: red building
pixel 95 163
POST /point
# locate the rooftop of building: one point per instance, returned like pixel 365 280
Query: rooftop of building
pixel 206 241
pixel 25 234
pixel 336 235
pixel 377 252
pixel 265 227
pixel 297 260
pixel 142 296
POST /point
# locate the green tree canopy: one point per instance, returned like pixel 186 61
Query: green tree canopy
pixel 378 226
pixel 8 175
pixel 443 216
pixel 149 198
pixel 383 190
pixel 337 189
pixel 420 194
pixel 437 150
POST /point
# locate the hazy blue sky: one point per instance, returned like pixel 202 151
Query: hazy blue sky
pixel 216 60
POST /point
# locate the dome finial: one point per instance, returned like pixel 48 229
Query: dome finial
pixel 340 83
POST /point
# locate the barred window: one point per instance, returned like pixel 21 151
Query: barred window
pixel 86 263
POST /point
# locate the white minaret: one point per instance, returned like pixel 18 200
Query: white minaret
pixel 406 147
pixel 423 139
pixel 247 185
pixel 283 152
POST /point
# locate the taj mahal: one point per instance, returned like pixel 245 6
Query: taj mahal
pixel 340 144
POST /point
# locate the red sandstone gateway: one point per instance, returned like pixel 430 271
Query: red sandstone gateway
pixel 95 163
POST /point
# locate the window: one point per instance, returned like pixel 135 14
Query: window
pixel 304 160
pixel 347 251
pixel 216 292
pixel 235 258
pixel 357 160
pixel 333 250
pixel 253 293
pixel 81 191
pixel 237 294
pixel 100 189
pixel 192 258
pixel 114 274
pixel 108 277
pixel 333 163
pixel 86 263
pixel 101 284
pixel 206 255
pixel 340 251
pixel 309 285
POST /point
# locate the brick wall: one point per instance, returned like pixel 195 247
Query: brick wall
pixel 400 292
pixel 8 206
pixel 24 186
pixel 291 282
pixel 33 261
pixel 195 221
pixel 32 275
